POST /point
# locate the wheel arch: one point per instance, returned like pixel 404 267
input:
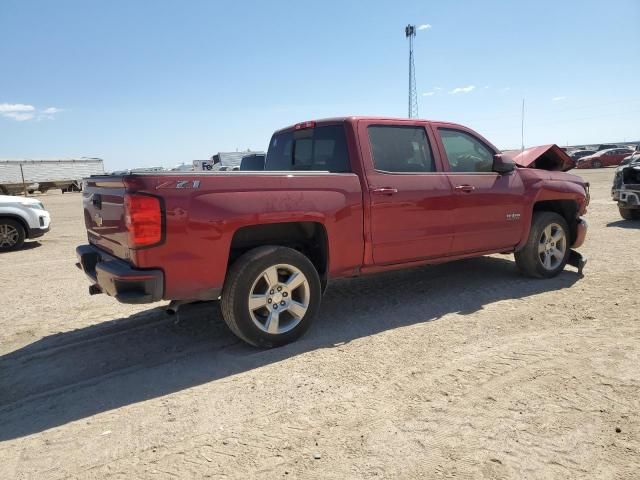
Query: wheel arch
pixel 20 220
pixel 568 209
pixel 309 238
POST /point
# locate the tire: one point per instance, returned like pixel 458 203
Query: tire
pixel 596 164
pixel 629 213
pixel 547 249
pixel 12 234
pixel 283 308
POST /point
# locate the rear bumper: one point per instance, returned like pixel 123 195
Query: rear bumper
pixel 581 233
pixel 117 278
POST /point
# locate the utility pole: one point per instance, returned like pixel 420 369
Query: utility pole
pixel 522 126
pixel 410 33
pixel 24 185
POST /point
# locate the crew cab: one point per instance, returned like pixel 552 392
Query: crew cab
pixel 339 197
pixel 21 218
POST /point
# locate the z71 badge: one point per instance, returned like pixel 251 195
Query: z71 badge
pixel 513 216
pixel 180 184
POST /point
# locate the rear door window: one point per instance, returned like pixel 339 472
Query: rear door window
pixel 400 149
pixel 310 149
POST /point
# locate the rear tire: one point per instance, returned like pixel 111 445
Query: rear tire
pixel 547 249
pixel 271 296
pixel 629 213
pixel 12 234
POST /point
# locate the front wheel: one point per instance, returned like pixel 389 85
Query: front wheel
pixel 629 213
pixel 11 234
pixel 271 296
pixel 547 249
pixel 596 164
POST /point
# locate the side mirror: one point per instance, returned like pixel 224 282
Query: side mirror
pixel 502 164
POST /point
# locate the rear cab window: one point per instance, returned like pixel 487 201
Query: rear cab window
pixel 321 148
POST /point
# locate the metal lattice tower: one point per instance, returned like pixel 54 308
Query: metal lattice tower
pixel 410 32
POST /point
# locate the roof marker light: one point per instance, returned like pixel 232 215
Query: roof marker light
pixel 303 125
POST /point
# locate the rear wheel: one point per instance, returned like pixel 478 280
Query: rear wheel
pixel 629 213
pixel 547 249
pixel 11 234
pixel 271 296
pixel 596 164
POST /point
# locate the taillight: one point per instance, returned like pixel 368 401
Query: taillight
pixel 143 218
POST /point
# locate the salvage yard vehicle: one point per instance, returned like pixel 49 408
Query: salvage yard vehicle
pixel 604 158
pixel 21 218
pixel 626 189
pixel 578 154
pixel 339 198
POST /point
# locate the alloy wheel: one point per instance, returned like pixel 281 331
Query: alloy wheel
pixel 279 299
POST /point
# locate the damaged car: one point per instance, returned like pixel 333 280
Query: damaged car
pixel 626 189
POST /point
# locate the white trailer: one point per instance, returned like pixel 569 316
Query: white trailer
pixel 43 175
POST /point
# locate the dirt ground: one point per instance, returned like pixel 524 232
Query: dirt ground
pixel 463 370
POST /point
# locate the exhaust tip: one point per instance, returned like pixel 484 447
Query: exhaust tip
pixel 175 305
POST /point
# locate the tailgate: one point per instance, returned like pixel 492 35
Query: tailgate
pixel 104 214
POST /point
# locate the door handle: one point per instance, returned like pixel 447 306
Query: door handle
pixel 384 191
pixel 465 188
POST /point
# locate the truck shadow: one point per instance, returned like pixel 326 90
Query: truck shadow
pixel 74 375
pixel 632 224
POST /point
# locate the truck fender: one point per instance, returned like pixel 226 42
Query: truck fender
pixel 545 192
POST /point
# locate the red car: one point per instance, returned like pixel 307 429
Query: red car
pixel 604 158
pixel 344 197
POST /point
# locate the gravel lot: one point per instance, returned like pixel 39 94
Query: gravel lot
pixel 462 370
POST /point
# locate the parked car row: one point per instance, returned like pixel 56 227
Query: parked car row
pixel 602 155
pixel 605 158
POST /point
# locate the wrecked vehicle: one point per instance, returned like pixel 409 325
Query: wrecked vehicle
pixel 626 189
pixel 339 197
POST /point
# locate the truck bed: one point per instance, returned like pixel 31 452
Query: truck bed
pixel 205 211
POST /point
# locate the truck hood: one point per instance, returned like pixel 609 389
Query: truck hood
pixel 545 157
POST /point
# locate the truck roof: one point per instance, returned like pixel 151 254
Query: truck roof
pixel 333 120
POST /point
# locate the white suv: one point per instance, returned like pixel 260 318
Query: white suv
pixel 21 218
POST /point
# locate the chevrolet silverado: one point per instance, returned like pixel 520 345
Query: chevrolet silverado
pixel 339 197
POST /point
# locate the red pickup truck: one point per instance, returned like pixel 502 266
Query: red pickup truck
pixel 341 197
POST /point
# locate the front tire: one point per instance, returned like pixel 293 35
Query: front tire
pixel 271 296
pixel 547 249
pixel 12 234
pixel 629 213
pixel 596 164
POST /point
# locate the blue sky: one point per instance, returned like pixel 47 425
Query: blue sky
pixel 142 83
